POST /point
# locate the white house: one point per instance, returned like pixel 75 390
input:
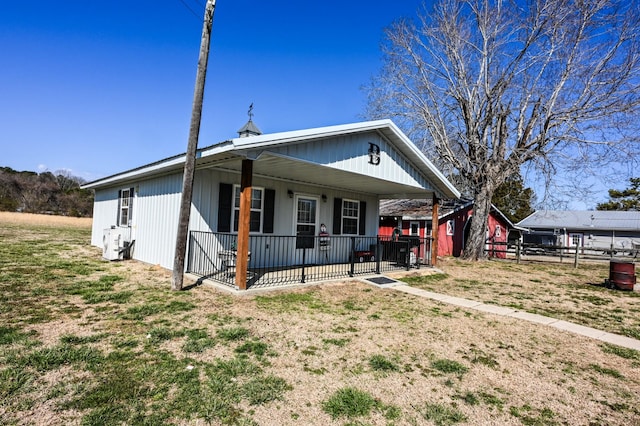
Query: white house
pixel 596 230
pixel 298 181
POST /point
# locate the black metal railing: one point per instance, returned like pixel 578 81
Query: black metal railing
pixel 280 260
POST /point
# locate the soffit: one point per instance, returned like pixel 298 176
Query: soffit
pixel 287 169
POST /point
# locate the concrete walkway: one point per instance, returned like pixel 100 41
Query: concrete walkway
pixel 593 333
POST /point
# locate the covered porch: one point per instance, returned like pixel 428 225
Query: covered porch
pixel 286 260
pixel 345 171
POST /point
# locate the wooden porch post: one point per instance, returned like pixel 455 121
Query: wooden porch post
pixel 242 259
pixel 434 231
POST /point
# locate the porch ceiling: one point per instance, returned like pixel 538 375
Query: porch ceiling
pixel 287 169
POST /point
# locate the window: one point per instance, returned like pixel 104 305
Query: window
pixel 575 240
pixel 350 210
pixel 414 228
pixel 450 227
pixel 349 217
pixel 255 217
pixel 125 207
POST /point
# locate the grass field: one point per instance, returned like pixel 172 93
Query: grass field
pixel 89 342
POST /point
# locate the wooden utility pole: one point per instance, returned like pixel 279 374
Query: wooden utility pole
pixel 192 146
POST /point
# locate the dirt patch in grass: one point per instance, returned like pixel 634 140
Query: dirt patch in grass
pixel 305 356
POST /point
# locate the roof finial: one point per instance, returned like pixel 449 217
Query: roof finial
pixel 250 112
pixel 249 129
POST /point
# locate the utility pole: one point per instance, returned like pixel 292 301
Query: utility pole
pixel 192 146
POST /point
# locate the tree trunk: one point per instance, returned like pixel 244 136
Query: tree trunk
pixel 475 243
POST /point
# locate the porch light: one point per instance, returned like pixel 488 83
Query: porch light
pixel 324 198
pixel 290 193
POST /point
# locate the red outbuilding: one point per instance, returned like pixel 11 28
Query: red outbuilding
pixel 414 217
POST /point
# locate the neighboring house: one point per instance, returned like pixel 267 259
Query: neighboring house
pixel 414 217
pixel 298 181
pixel 596 230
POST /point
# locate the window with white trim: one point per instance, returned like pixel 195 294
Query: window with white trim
pixel 350 217
pixel 124 214
pixel 450 227
pixel 257 206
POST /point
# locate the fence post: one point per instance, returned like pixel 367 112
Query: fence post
pixel 304 261
pixel 378 254
pixel 575 260
pixel 352 257
pixel 408 254
pixel 518 248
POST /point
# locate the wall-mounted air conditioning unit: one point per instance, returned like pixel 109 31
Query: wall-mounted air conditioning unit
pixel 112 244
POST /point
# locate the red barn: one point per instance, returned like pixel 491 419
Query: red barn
pixel 413 217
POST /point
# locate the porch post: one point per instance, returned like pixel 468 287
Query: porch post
pixel 242 259
pixel 434 231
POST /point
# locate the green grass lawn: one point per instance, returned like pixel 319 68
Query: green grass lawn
pixel 551 289
pixel 121 374
pixel 89 342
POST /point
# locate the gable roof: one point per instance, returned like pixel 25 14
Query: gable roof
pixel 282 156
pixel 583 219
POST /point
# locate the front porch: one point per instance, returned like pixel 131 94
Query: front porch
pixel 285 260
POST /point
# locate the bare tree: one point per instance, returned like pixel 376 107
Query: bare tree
pixel 490 86
pixel 67 181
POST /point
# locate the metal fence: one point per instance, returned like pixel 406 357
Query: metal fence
pixel 280 260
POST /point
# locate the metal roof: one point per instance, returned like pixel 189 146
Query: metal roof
pixel 264 149
pixel 420 209
pixel 250 128
pixel 576 219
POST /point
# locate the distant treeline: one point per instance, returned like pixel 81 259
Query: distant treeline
pixel 50 193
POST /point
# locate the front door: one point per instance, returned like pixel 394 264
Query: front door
pixel 575 240
pixel 306 226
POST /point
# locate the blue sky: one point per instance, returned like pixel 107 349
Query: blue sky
pixel 96 88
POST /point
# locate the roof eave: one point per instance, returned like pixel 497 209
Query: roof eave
pixel 242 145
pixel 158 167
